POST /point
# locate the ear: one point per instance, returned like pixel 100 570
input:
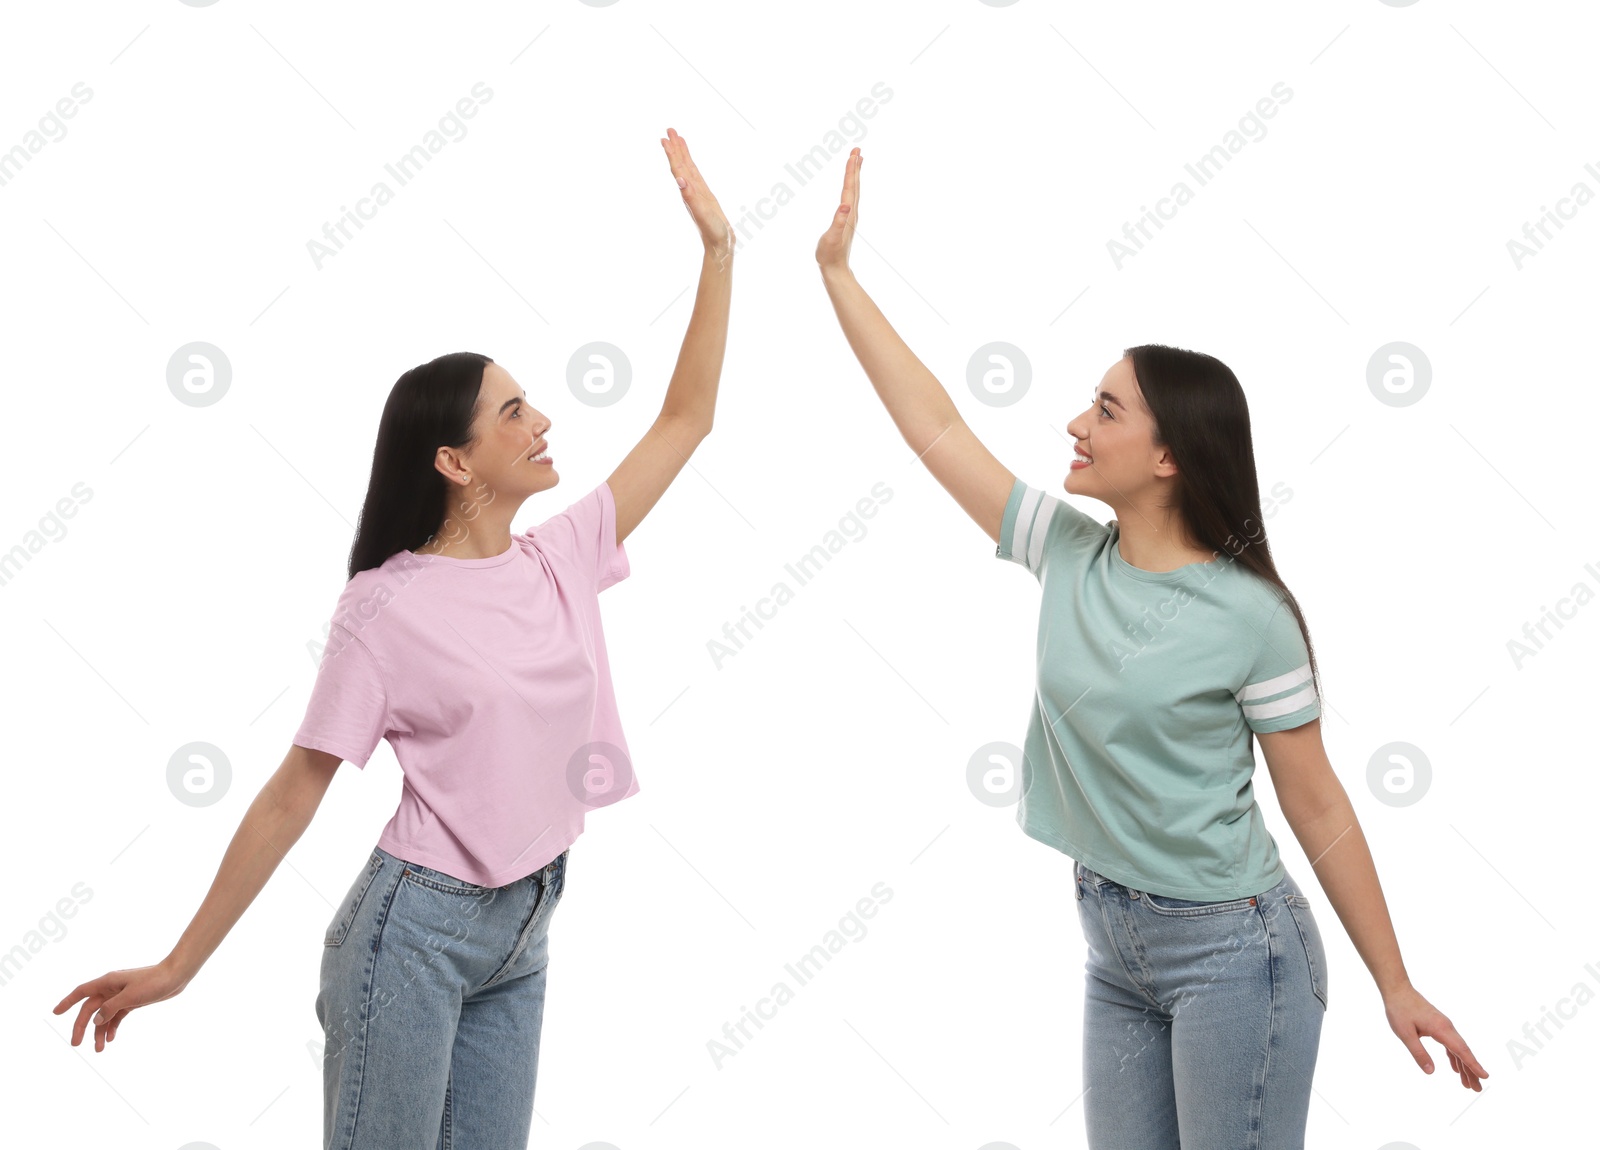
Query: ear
pixel 447 463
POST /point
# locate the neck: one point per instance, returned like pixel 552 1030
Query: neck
pixel 474 529
pixel 1156 539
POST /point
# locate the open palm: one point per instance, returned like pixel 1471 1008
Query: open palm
pixel 833 249
pixel 715 231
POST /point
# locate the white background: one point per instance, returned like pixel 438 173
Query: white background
pixel 831 753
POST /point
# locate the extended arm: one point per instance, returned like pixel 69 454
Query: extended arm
pixel 276 819
pixel 686 413
pixel 1324 822
pixel 922 410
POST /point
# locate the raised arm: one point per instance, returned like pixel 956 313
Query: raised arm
pixel 916 401
pixel 686 412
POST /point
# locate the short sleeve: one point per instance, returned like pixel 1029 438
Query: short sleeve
pixel 348 710
pixel 1035 521
pixel 1278 692
pixel 587 533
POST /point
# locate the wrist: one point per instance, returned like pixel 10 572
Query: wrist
pixel 179 967
pixel 1393 985
pixel 836 273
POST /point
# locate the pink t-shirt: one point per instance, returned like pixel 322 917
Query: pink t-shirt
pixel 489 679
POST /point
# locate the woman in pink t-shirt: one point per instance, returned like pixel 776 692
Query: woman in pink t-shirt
pixel 478 654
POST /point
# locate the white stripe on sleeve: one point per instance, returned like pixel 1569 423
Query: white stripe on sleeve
pixel 1032 523
pixel 1259 711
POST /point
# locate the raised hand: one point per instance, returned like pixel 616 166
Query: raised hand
pixel 833 249
pixel 715 231
pixel 113 995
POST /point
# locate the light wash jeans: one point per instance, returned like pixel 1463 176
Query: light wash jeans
pixel 1201 1020
pixel 431 1002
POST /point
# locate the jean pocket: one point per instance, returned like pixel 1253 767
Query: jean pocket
pixel 438 880
pixel 1316 957
pixel 345 916
pixel 1171 907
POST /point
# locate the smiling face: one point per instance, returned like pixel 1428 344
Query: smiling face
pixel 1117 432
pixel 509 431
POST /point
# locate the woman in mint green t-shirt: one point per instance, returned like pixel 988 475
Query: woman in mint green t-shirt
pixel 1167 644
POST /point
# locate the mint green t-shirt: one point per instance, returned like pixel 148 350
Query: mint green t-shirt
pixel 1138 756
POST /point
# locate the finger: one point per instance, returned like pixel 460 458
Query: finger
pixel 849 210
pixel 683 148
pixel 691 173
pixel 1469 1075
pixel 1452 1041
pixel 82 990
pixel 672 163
pixel 109 1009
pixel 81 1023
pixel 669 144
pixel 851 194
pixel 104 1022
pixel 680 154
pixel 1418 1052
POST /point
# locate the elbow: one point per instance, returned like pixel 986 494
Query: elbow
pixel 686 426
pixel 1314 814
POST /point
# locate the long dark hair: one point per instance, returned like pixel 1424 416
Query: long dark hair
pixel 431 406
pixel 1202 418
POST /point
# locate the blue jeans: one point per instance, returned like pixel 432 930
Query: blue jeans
pixel 431 1001
pixel 1201 1020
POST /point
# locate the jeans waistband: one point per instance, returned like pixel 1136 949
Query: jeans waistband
pixel 1089 877
pixel 1093 877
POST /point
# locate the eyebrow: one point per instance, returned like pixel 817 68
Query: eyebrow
pixel 506 406
pixel 1108 396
